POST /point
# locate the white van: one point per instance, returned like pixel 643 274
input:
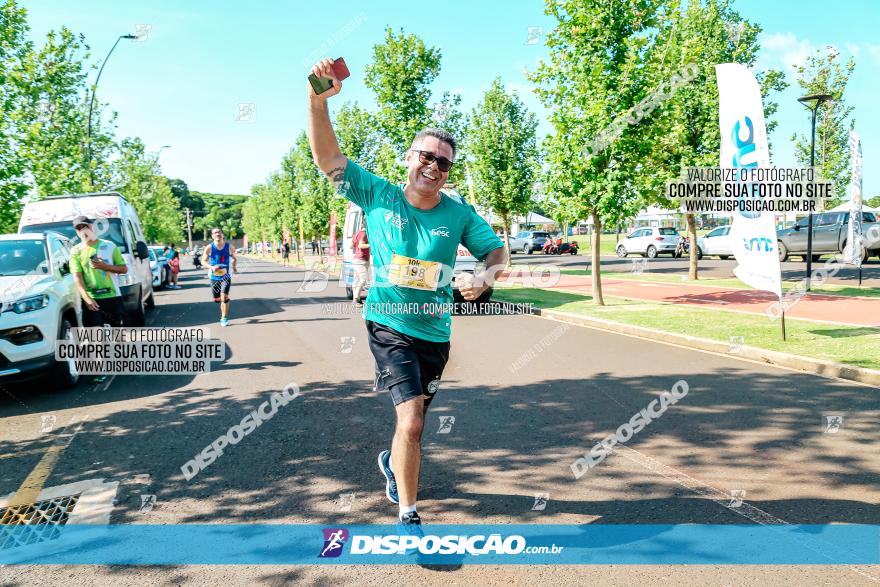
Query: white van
pixel 465 262
pixel 115 220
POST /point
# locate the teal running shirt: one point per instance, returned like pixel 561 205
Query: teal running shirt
pixel 413 253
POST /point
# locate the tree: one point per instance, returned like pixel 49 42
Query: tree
pixel 824 74
pixel 56 120
pixel 356 132
pixel 596 73
pixel 447 115
pixel 138 176
pixel 400 76
pixel 14 49
pixel 315 195
pixel 684 130
pixel 502 139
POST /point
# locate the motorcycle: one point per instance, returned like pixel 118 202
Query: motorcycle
pixel 558 247
pixel 683 247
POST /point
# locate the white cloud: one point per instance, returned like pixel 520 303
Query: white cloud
pixel 786 48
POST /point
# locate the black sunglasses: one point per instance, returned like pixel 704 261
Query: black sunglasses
pixel 427 157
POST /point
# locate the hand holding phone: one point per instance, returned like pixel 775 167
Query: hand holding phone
pixel 326 77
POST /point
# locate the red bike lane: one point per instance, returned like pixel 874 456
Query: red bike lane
pixel 851 310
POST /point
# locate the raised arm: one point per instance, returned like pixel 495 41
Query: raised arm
pixel 325 149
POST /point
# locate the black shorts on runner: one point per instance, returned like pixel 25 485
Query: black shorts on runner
pixel 219 286
pixel 406 366
pixel 110 311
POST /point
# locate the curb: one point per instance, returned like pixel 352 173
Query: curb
pixel 796 362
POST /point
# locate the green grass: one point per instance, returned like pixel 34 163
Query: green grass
pixel 857 346
pixel 728 282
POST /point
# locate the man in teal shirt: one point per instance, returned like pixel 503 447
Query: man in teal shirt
pixel 414 233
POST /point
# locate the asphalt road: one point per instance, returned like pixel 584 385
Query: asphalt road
pixel 708 267
pixel 743 426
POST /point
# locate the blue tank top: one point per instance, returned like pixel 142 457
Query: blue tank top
pixel 220 259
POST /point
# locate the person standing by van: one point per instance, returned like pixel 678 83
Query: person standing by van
pixel 95 263
pixel 219 256
pixel 361 262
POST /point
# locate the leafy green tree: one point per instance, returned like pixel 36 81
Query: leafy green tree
pixel 824 74
pixel 315 195
pixel 358 135
pixel 400 76
pixel 56 120
pixel 597 71
pixel 683 131
pixel 505 155
pixel 14 50
pixel 447 114
pixel 137 175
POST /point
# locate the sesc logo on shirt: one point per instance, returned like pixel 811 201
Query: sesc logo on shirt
pixel 440 231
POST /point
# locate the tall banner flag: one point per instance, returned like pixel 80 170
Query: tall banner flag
pixel 744 146
pixel 853 254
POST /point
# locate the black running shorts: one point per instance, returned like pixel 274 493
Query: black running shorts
pixel 406 366
pixel 219 286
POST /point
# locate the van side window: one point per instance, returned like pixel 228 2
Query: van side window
pixel 131 235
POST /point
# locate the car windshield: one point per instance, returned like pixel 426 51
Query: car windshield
pixel 540 234
pixel 22 257
pixel 113 232
pixel 666 231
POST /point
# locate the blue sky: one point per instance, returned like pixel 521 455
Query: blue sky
pixel 183 84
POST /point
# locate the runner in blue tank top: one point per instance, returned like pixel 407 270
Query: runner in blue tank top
pixel 219 256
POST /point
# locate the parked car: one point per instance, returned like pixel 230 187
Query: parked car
pixel 829 236
pixel 116 221
pixel 39 304
pixel 529 241
pixel 161 266
pixel 715 243
pixel 649 242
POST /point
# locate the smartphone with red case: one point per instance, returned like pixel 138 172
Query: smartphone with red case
pixel 322 84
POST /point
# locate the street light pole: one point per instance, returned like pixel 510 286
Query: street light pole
pixel 819 99
pixel 92 108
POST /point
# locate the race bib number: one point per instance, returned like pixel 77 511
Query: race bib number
pixel 414 273
pixel 220 271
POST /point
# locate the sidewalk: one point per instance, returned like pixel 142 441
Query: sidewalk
pixel 854 311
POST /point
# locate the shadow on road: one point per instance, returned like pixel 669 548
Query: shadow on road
pixel 733 421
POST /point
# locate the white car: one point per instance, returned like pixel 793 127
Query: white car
pixel 156 269
pixel 649 242
pixel 39 304
pixel 716 242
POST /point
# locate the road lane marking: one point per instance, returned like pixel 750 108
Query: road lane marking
pixel 33 484
pixel 722 498
pixel 29 490
pixel 22 453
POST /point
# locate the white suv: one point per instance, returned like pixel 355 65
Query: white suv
pixel 39 304
pixel 649 242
